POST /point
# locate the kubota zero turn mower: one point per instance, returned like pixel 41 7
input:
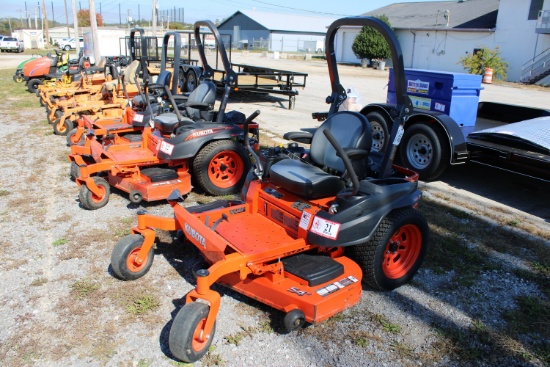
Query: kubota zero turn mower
pixel 306 231
pixel 196 140
pixel 140 109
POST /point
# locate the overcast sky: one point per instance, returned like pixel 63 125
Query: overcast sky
pixel 115 11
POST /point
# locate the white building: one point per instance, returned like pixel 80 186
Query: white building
pixel 434 35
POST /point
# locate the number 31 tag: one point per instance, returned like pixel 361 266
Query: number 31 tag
pixel 325 228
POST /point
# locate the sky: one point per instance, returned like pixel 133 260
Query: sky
pixel 116 11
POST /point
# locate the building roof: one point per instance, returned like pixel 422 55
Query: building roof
pixel 458 14
pixel 287 22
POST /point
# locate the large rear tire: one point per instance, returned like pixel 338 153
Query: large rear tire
pixel 187 328
pixel 395 252
pixel 220 168
pixel 123 258
pixel 424 148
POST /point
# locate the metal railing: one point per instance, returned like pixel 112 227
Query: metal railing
pixel 536 69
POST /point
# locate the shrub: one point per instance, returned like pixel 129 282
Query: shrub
pixel 370 44
pixel 485 58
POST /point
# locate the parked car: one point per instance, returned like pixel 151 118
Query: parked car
pixel 11 44
pixel 67 45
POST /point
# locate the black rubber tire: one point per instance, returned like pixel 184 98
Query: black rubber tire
pixel 204 159
pixel 87 198
pixel 185 324
pixel 371 255
pixel 63 130
pixel 380 131
pixel 135 197
pixel 121 256
pixel 70 141
pixel 74 171
pixel 42 104
pixel 425 149
pixel 18 78
pixel 32 85
pixel 57 115
pixel 191 80
pixel 294 320
pixel 181 81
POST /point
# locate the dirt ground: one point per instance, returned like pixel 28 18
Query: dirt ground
pixel 62 305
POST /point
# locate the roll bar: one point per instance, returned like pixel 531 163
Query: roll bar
pixel 177 56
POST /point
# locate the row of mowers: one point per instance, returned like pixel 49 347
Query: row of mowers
pixel 312 224
pixel 315 221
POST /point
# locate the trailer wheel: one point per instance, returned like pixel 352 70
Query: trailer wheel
pixel 124 256
pixel 32 85
pixel 91 201
pixel 190 80
pixel 186 332
pixel 74 171
pixel 395 252
pixel 220 168
pixel 380 131
pixel 294 320
pixel 423 149
pixel 62 128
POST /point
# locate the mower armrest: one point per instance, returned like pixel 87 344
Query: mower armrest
pixel 199 105
pixel 304 137
pixel 355 153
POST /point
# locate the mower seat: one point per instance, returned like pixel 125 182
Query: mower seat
pixel 166 123
pixel 322 178
pixel 200 103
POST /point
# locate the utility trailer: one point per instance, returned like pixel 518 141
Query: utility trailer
pixel 449 126
pixel 248 78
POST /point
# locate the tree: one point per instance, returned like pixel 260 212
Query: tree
pixel 83 16
pixel 370 44
pixel 477 62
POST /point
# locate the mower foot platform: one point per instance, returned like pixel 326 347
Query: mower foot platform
pixel 314 269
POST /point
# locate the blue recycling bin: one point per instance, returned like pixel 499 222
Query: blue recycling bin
pixel 454 94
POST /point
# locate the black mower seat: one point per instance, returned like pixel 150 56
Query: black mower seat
pixel 138 101
pixel 310 181
pixel 166 123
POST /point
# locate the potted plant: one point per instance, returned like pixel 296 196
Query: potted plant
pixel 369 44
pixel 485 59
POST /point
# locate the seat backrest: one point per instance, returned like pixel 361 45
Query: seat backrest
pixel 164 78
pixel 351 130
pixel 204 93
pixel 130 72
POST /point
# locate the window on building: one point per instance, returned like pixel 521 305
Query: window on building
pixel 536 6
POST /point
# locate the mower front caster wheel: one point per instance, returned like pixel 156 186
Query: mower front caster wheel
pixel 91 201
pixel 187 331
pixel 71 138
pixel 124 260
pixel 62 128
pixel 135 197
pixel 294 320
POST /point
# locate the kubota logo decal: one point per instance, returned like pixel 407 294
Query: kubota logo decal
pixel 198 134
pixel 195 235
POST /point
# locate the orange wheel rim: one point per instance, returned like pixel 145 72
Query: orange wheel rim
pixel 196 343
pixel 402 251
pixel 226 169
pixel 98 198
pixel 61 127
pixel 131 261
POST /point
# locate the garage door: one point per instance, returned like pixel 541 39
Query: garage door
pixel 347 53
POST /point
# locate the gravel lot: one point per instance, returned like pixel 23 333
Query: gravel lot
pixel 62 307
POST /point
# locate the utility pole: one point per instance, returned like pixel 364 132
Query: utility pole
pixel 46 22
pixel 53 15
pixel 93 23
pixel 67 20
pixel 119 15
pixel 154 18
pixel 76 35
pixel 27 15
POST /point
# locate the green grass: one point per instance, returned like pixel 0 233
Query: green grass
pixel 84 287
pixel 59 242
pixel 142 304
